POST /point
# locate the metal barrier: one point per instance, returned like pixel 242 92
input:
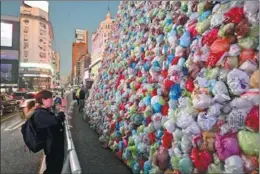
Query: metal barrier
pixel 71 163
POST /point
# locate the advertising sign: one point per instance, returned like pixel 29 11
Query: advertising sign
pixel 44 5
pixel 9 72
pixel 9 54
pixel 6 34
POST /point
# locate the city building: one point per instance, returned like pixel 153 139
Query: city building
pixel 36 35
pixel 56 69
pixel 99 40
pixel 79 49
pixel 10 51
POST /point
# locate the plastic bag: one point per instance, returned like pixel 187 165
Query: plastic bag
pixel 248 142
pixel 201 27
pixel 185 39
pixel 252 119
pixel 236 118
pixel 220 92
pixel 206 122
pixel 234 164
pixel 201 101
pixel 210 37
pixel 169 126
pixel 234 15
pixel 231 62
pixel 220 45
pixel 241 103
pixel 237 81
pixel 252 96
pixel 234 50
pixel 247 54
pixel 248 43
pixel 248 66
pixel 227 145
pixel 162 158
pixel 201 159
pixel 192 129
pixel 184 120
pixel 242 29
pixel 216 20
pixel 254 79
pixel 185 165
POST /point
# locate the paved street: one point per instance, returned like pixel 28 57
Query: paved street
pixel 93 158
pixel 14 159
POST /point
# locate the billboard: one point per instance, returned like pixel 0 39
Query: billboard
pixel 6 34
pixel 80 35
pixel 9 72
pixel 9 54
pixel 43 5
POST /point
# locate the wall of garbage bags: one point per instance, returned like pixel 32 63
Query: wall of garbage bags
pixel 178 88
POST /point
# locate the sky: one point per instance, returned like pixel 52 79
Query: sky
pixel 66 16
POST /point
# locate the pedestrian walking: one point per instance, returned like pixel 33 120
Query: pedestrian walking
pixel 81 99
pixel 49 132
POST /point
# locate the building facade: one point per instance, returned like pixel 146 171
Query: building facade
pixel 10 53
pixel 79 49
pixel 56 69
pixel 99 40
pixel 36 37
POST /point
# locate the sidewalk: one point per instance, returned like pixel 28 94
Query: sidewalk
pixel 93 158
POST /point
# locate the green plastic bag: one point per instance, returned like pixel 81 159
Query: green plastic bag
pixel 249 142
pixel 185 165
pixel 201 27
pixel 248 43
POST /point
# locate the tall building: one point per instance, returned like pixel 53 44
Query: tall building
pixel 36 35
pixel 10 50
pixel 99 40
pixel 79 48
pixel 81 36
pixel 56 69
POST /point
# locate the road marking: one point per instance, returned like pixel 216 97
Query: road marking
pixel 11 116
pixel 17 126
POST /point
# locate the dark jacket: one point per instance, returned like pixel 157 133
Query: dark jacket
pixel 51 129
pixel 81 94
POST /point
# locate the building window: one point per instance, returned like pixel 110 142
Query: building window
pixel 25 39
pixel 26 53
pixel 108 26
pixel 26 21
pixel 105 35
pixel 25 60
pixel 26 45
pixel 26 29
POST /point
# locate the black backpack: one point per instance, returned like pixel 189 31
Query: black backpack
pixel 30 136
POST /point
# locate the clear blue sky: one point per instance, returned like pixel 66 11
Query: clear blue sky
pixel 65 17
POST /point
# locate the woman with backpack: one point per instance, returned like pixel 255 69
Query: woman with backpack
pixel 49 132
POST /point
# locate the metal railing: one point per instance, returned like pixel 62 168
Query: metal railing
pixel 71 163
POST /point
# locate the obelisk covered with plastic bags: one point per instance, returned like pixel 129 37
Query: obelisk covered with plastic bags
pixel 178 89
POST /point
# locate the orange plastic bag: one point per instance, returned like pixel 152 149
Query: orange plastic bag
pixel 220 45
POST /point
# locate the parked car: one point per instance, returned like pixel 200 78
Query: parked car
pixel 18 96
pixel 30 96
pixel 7 104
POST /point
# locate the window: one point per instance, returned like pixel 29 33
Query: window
pixel 26 29
pixel 25 39
pixel 105 35
pixel 26 21
pixel 108 26
pixel 26 45
pixel 25 60
pixel 26 53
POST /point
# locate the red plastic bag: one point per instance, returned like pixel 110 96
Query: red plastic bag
pixel 190 85
pixel 201 159
pixel 234 15
pixel 220 45
pixel 210 37
pixel 247 54
pixel 167 84
pixel 214 58
pixel 252 119
pixel 165 109
pixel 167 140
pixel 191 27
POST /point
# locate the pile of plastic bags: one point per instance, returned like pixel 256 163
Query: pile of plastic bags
pixel 178 88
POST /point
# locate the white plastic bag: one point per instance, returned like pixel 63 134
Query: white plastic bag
pixel 238 81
